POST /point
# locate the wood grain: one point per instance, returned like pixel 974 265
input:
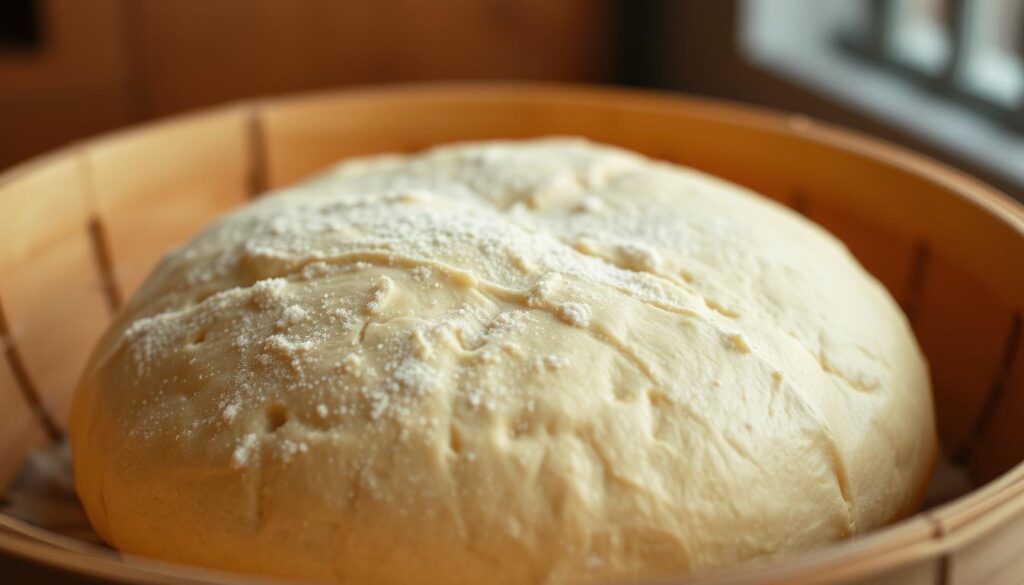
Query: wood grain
pixel 1000 445
pixel 887 254
pixel 155 188
pixel 985 540
pixel 20 431
pixel 962 326
pixel 281 45
pixel 50 286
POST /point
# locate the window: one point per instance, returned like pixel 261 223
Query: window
pixel 950 70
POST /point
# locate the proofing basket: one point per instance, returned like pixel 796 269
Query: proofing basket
pixel 81 228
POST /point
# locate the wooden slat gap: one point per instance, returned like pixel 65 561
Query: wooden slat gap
pixel 1000 383
pixel 943 576
pixel 21 377
pixel 99 242
pixel 938 534
pixel 919 259
pixel 100 245
pixel 257 142
pixel 800 204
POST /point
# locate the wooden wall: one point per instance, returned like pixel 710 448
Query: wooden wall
pixel 106 63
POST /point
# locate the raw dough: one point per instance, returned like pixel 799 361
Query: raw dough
pixel 503 362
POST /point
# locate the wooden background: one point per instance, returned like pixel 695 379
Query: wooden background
pixel 102 64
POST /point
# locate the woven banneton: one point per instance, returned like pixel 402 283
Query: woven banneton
pixel 81 228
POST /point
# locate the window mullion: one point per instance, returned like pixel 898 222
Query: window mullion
pixel 959 14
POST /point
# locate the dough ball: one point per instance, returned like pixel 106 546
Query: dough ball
pixel 502 362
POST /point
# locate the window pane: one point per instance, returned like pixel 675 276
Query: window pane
pixel 992 66
pixel 920 35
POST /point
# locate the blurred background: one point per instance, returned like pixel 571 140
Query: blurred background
pixel 945 77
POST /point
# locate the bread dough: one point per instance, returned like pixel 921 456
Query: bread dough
pixel 502 362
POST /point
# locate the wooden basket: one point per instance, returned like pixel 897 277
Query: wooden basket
pixel 80 228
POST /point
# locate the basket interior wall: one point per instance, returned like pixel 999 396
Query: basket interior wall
pixel 80 229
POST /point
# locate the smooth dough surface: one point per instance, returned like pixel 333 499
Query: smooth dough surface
pixel 503 362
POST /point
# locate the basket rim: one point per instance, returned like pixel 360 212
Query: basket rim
pixel 955 523
pixel 63 552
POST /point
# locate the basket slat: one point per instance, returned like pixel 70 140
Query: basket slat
pixel 962 327
pixel 926 572
pixel 886 254
pixel 51 288
pixel 986 544
pixel 19 430
pixel 41 203
pixel 159 185
pixel 896 557
pixel 1001 444
pixel 307 135
pixel 905 551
